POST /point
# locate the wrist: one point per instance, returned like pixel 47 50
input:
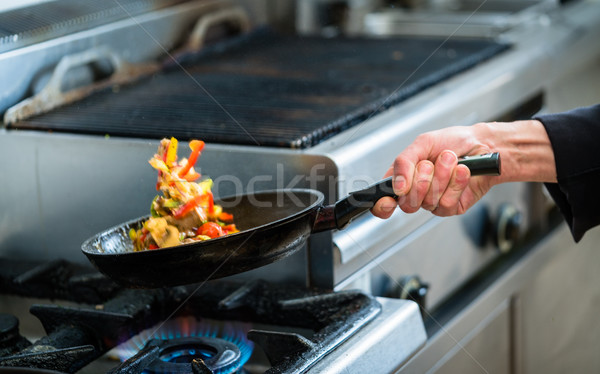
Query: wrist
pixel 525 149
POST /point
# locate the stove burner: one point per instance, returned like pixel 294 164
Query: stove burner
pixel 176 355
pixel 10 339
pixel 222 347
pixel 9 327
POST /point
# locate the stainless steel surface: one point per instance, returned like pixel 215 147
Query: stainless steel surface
pixel 331 17
pixel 549 300
pixel 486 348
pixel 555 316
pixel 236 15
pixel 383 345
pixel 458 18
pixel 41 22
pixel 472 18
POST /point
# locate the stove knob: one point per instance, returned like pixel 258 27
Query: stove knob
pixel 508 227
pixel 411 288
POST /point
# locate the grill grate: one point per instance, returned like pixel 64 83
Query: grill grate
pixel 272 90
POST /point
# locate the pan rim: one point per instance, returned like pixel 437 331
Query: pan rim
pixel 88 243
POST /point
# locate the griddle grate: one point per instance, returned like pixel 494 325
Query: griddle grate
pixel 271 90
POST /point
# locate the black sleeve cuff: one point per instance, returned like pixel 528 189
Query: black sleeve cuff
pixel 575 139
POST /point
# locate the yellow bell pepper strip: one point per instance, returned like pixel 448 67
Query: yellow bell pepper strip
pixel 171 155
pixel 191 176
pixel 197 146
pixel 159 165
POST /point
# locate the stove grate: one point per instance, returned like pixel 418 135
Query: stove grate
pixel 77 336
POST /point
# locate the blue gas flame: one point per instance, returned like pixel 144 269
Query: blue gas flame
pixel 183 327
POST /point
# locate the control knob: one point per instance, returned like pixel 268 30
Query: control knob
pixel 411 288
pixel 508 227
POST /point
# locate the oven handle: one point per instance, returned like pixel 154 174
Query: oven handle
pixel 235 15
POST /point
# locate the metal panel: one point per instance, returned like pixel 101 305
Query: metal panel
pixel 382 346
pixel 554 261
pixel 41 22
pixel 559 310
pixel 485 349
pixel 457 18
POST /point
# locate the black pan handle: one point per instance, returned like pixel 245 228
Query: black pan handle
pixel 358 202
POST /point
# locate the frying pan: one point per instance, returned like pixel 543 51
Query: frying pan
pixel 272 224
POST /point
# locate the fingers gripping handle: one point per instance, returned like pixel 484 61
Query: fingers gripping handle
pixel 360 201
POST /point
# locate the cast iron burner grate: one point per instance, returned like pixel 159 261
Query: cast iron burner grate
pixel 76 336
pixel 271 90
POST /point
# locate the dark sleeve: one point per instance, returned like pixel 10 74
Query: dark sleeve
pixel 575 138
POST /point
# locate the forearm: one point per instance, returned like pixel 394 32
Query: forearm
pixel 525 150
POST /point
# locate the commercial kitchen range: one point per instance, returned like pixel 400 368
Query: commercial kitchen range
pixel 310 94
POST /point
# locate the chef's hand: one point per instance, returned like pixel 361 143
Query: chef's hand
pixel 426 174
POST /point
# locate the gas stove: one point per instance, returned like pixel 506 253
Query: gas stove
pixel 215 327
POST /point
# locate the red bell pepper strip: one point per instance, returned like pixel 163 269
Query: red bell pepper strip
pixel 188 207
pixel 225 217
pixel 193 203
pixel 144 234
pixel 211 202
pixel 210 229
pixel 197 146
pixel 230 228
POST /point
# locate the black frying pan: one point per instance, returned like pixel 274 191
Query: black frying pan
pixel 272 224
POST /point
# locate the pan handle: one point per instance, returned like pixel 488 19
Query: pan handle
pixel 358 202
